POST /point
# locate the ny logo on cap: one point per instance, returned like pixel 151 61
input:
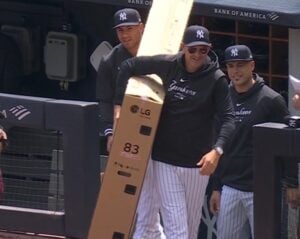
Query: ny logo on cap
pixel 234 52
pixel 200 34
pixel 123 16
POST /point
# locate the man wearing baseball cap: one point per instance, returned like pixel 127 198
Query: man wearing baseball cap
pixel 129 28
pixel 254 103
pixel 184 145
pixel 127 17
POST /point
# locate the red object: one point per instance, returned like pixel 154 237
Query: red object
pixel 1 184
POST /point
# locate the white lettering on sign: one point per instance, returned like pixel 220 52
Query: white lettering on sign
pixel 243 14
pixel 140 2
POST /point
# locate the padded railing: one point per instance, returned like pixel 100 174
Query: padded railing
pixel 273 143
pixel 78 124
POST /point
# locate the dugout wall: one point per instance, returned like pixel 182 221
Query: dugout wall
pixel 51 163
pixel 268 172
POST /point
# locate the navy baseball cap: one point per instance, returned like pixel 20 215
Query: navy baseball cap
pixel 196 35
pixel 238 53
pixel 127 17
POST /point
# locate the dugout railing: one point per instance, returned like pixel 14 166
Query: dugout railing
pixel 51 163
pixel 273 143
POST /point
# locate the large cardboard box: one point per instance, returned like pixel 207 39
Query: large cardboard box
pixel 127 163
pixel 115 212
pixel 126 167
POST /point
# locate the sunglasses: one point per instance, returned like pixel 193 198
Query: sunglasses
pixel 193 50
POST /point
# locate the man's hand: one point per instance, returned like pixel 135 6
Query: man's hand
pixel 3 138
pixel 109 142
pixel 117 110
pixel 296 101
pixel 101 177
pixel 214 202
pixel 293 197
pixel 209 162
pixel 3 134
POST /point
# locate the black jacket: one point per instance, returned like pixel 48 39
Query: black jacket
pixel 185 130
pixel 259 104
pixel 106 84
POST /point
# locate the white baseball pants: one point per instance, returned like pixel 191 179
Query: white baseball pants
pixel 235 218
pixel 181 192
pixel 148 219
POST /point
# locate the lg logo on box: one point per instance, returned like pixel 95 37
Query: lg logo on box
pixel 143 112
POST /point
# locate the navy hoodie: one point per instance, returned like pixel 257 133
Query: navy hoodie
pixel 259 104
pixel 106 84
pixel 185 130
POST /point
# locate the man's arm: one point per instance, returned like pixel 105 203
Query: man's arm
pixel 215 198
pixel 225 112
pixel 224 107
pixel 143 65
pixel 279 110
pixel 105 96
pixel 117 110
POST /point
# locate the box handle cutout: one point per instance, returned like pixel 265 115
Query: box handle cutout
pixel 118 235
pixel 123 173
pixel 130 189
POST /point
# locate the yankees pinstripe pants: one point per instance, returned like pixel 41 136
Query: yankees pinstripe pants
pixel 181 192
pixel 235 218
pixel 148 220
